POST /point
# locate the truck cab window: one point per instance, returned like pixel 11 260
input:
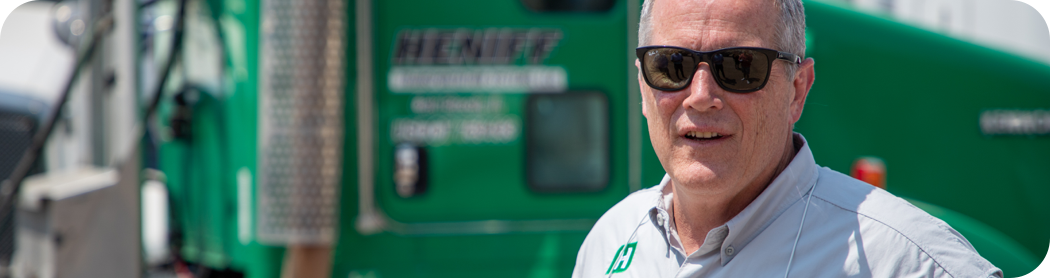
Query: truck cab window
pixel 567 142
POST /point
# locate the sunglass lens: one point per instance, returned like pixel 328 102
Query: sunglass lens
pixel 741 69
pixel 669 68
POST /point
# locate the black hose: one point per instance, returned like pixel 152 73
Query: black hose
pixel 176 48
pixel 10 187
pixel 147 3
pixel 158 93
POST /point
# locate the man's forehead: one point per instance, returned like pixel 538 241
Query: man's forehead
pixel 712 24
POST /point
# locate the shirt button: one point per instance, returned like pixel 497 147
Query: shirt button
pixel 660 218
pixel 729 251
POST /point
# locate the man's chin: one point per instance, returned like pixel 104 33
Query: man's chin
pixel 698 178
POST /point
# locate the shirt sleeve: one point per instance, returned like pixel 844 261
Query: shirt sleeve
pixel 585 258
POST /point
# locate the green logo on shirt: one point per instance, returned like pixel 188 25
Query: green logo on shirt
pixel 623 258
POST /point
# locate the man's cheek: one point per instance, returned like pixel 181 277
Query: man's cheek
pixel 666 106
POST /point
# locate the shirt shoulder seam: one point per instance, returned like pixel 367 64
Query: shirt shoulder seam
pixel 917 245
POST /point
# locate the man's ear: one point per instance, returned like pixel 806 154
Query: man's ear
pixel 804 78
pixel 641 85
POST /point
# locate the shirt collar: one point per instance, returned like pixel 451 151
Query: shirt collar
pixel 787 188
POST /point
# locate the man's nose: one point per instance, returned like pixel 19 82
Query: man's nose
pixel 704 93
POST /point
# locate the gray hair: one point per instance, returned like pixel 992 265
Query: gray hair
pixel 790 35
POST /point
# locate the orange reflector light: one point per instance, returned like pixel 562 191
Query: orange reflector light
pixel 870 170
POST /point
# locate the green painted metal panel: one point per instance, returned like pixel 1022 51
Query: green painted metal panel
pixel 240 23
pixel 487 180
pixel 202 169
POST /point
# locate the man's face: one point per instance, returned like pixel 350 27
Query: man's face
pixel 755 127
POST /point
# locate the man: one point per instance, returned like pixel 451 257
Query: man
pixel 743 196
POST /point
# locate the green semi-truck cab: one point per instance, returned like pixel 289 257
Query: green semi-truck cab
pixel 484 138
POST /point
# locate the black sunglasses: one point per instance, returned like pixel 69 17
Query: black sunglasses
pixel 736 69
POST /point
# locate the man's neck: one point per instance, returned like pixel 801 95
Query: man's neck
pixel 697 214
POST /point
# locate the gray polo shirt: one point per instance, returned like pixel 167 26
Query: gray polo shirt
pixel 851 229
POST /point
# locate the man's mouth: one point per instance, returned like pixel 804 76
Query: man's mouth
pixel 696 135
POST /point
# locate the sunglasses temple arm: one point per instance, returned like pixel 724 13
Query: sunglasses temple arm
pixel 790 57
